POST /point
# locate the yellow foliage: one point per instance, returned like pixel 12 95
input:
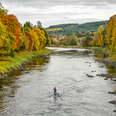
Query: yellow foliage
pixel 13 37
pixel 110 36
pixel 41 37
pixel 98 39
pixel 54 29
pixel 6 40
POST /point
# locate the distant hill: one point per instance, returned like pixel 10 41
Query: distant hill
pixel 69 29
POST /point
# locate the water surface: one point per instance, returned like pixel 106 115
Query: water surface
pixel 29 93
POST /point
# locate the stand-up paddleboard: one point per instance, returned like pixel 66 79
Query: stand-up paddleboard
pixel 54 96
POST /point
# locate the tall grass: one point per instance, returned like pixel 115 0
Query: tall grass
pixel 7 63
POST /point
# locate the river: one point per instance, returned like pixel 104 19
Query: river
pixel 29 92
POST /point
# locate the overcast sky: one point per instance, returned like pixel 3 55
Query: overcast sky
pixel 51 12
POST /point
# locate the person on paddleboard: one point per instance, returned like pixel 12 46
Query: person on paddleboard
pixel 55 90
pixel 54 95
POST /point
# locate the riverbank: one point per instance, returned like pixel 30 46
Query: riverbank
pixel 10 64
pixel 107 57
pixel 63 46
pixel 105 54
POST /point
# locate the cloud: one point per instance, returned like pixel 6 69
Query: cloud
pixel 60 11
pixel 49 3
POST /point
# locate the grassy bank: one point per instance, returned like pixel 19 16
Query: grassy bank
pixel 8 63
pixel 106 53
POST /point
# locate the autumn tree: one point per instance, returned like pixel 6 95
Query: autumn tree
pixel 110 36
pixel 14 37
pixel 6 41
pixel 13 26
pixel 39 24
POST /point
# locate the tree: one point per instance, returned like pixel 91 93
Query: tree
pixel 101 36
pixel 28 25
pixel 39 24
pixel 73 40
pixel 98 38
pixel 110 35
pixel 6 40
pixel 15 37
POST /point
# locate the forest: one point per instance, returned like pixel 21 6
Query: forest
pixel 103 34
pixel 15 37
pixel 100 37
pixel 69 29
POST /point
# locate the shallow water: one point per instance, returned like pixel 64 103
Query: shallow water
pixel 29 93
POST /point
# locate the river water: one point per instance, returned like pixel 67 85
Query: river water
pixel 30 92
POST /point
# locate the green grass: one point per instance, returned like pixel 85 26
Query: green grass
pixel 112 57
pixel 7 63
pixel 111 54
pixel 96 48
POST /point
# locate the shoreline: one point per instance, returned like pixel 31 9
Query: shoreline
pixel 105 56
pixel 18 62
pixel 96 50
pixel 62 46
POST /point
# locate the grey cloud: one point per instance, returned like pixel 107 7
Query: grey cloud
pixel 48 12
pixel 49 3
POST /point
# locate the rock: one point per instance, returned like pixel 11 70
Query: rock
pixel 0 75
pixel 11 96
pixel 5 75
pixel 102 75
pixel 105 78
pixel 93 71
pixel 1 87
pixel 113 79
pixel 88 62
pixel 89 75
pixel 101 66
pixel 26 71
pixel 112 102
pixel 10 70
pixel 113 92
pixel 114 110
pixel 106 75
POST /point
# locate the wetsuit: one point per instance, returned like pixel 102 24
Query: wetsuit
pixel 55 91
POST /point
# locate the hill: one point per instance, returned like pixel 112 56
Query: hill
pixel 69 29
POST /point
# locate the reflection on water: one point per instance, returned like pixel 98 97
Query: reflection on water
pixel 111 69
pixel 36 62
pixel 99 55
pixel 9 86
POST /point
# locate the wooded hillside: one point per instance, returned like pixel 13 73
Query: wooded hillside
pixel 69 29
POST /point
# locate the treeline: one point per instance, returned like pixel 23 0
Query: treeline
pixel 70 29
pixel 60 40
pixel 14 37
pixel 81 39
pixel 104 37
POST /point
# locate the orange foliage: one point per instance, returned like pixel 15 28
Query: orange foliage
pixel 14 27
pixel 13 37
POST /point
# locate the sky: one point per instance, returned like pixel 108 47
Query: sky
pixel 52 12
